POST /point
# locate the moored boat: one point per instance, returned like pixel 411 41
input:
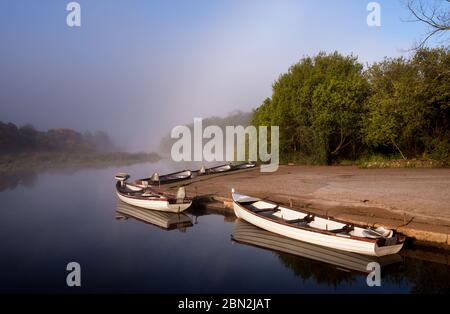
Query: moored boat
pixel 243 165
pixel 230 167
pixel 219 169
pixel 170 178
pixel 249 234
pixel 149 199
pixel 319 230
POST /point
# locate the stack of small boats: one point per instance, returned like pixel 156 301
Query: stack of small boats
pixel 145 193
pixel 182 176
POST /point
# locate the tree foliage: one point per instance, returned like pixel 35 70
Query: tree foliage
pixel 318 106
pixel 329 108
pixel 408 109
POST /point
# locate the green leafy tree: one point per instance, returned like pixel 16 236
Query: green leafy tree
pixel 408 109
pixel 318 105
pixel 395 115
pixel 433 69
pixel 329 108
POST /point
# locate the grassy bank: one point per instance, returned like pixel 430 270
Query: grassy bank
pixel 53 160
pixel 403 163
pixel 373 161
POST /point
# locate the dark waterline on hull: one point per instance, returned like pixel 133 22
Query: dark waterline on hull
pixel 57 218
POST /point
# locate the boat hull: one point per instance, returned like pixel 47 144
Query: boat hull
pixel 347 244
pixel 158 205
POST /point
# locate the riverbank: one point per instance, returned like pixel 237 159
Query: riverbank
pixel 10 163
pixel 415 202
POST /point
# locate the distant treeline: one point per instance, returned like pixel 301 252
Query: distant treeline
pixel 331 108
pixel 14 139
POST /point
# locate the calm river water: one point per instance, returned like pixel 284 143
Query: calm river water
pixel 50 219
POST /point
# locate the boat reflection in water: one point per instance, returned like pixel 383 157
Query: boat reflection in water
pixel 249 234
pixel 164 220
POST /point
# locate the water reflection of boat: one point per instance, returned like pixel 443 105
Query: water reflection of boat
pixel 246 233
pixel 163 220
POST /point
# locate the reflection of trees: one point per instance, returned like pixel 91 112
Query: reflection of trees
pixel 10 180
pixel 320 272
pixel 422 276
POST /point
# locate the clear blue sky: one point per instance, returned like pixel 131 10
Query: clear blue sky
pixel 137 68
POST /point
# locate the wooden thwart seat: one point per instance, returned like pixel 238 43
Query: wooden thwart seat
pixel 262 210
pixel 306 219
pixel 345 229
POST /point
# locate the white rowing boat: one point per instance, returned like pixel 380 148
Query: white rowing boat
pixel 243 165
pixel 251 235
pixel 324 231
pixel 150 199
pixel 219 169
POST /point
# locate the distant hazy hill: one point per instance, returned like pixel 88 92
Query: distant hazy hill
pixel 15 139
pixel 233 119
